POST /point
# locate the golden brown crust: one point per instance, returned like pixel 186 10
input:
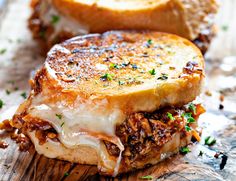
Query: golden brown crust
pixel 43 32
pixel 117 66
pixel 172 16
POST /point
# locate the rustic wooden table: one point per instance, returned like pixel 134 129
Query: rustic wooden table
pixel 21 55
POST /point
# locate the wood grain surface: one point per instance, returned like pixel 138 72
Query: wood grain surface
pixel 22 57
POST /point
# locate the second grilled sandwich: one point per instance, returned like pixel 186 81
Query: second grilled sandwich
pixel 55 20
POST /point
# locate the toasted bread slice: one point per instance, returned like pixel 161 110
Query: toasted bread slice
pixel 181 17
pixel 126 68
pixel 91 90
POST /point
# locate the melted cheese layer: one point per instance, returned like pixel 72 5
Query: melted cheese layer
pixel 86 125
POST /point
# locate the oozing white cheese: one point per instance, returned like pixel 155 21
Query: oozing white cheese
pixel 80 126
pixel 46 13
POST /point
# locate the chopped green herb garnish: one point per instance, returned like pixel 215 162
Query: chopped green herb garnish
pixel 184 150
pixel 163 77
pixel 55 19
pixel 62 124
pixel 66 174
pixel 1 103
pixel 116 66
pixel 149 42
pixel 125 64
pixel 188 117
pixel 200 153
pixel 187 128
pixel 112 65
pixel 152 72
pixel 8 92
pixel 121 82
pixel 107 76
pixel 59 116
pixel 224 27
pixel 147 177
pixel 2 51
pixel 170 116
pixel 192 107
pixel 19 40
pixel 134 66
pixel 24 95
pixel 16 88
pixel 210 141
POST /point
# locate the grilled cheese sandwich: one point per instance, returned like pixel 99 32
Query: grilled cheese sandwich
pixel 120 100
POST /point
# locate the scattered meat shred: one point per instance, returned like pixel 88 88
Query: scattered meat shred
pixel 17 129
pixel 3 144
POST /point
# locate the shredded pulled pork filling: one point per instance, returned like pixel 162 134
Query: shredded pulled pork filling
pixel 141 133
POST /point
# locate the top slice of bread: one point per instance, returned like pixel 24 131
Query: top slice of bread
pixel 182 17
pixel 137 71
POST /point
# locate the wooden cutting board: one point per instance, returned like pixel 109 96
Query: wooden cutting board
pixel 20 56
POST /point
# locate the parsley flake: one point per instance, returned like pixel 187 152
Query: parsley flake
pixel 59 116
pixel 149 42
pixel 18 40
pixel 125 64
pixel 184 150
pixel 62 124
pixel 55 19
pixel 24 95
pixel 147 177
pixel 121 82
pixel 152 72
pixel 224 27
pixel 200 153
pixel 192 107
pixel 188 117
pixel 134 66
pixel 1 103
pixel 163 77
pixel 2 51
pixel 170 116
pixel 8 92
pixel 210 141
pixel 187 128
pixel 107 76
pixel 114 66
pixel 66 174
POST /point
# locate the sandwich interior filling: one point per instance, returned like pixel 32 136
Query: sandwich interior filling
pixel 141 137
